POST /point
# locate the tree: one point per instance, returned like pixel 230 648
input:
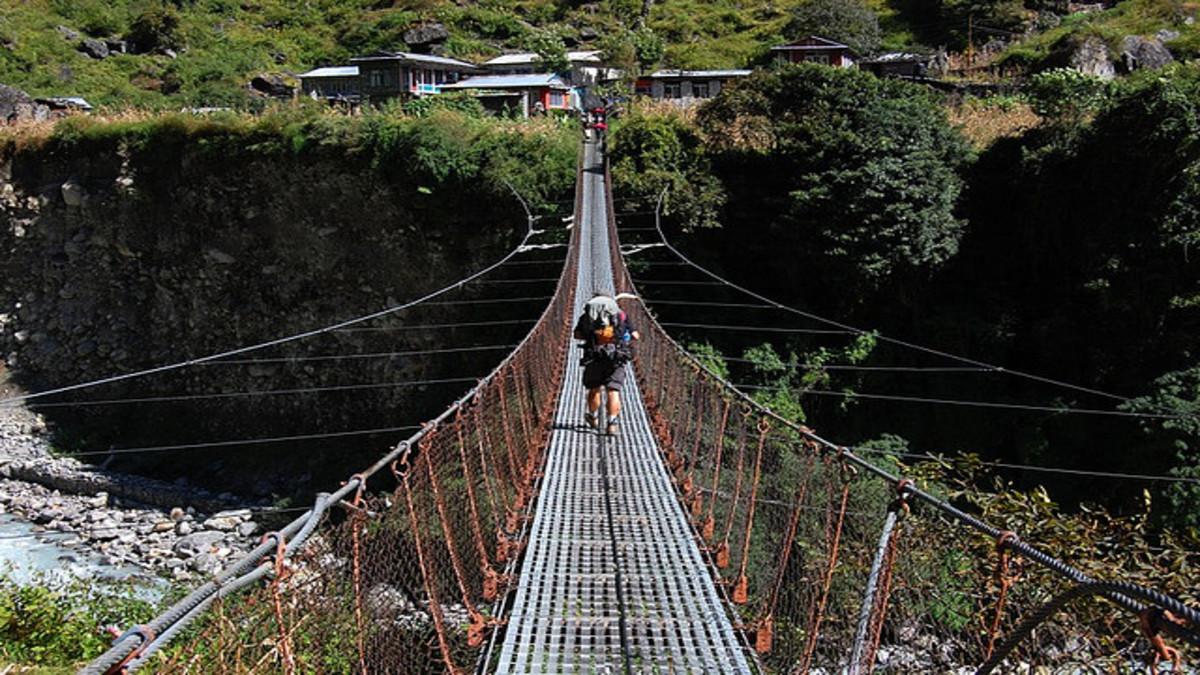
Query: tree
pixel 551 50
pixel 653 152
pixel 844 182
pixel 1176 393
pixel 1065 95
pixel 157 27
pixel 850 22
pixel 633 51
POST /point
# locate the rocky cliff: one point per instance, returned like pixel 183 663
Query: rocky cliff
pixel 117 254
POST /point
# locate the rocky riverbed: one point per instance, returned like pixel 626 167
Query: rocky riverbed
pixel 173 529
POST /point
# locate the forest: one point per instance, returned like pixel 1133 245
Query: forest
pixel 1062 251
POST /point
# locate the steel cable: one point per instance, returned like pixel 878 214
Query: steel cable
pixel 284 340
pixel 859 331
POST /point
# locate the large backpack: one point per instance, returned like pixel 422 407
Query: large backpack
pixel 603 316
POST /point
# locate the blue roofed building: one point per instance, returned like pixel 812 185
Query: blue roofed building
pixel 335 83
pixel 526 94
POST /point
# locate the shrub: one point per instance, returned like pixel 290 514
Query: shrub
pixel 59 624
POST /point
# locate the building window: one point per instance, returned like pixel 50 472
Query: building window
pixel 817 58
pixel 556 99
pixel 700 90
pixel 670 90
pixel 376 78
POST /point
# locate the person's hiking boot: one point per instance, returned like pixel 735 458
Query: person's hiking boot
pixel 591 419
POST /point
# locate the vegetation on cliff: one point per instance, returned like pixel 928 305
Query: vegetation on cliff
pixel 166 54
pixel 194 234
pixel 1058 247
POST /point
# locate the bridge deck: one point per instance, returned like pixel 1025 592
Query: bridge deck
pixel 601 594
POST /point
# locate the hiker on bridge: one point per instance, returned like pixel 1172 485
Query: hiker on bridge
pixel 608 339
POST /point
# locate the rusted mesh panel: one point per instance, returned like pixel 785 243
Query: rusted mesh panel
pixel 954 597
pixel 793 534
pixel 404 578
pixel 790 530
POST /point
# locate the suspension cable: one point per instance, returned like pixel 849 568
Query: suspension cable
pixel 1035 467
pixel 910 489
pixel 757 329
pixel 253 392
pixel 432 326
pixel 368 355
pixel 529 232
pixel 971 404
pixel 855 367
pixel 884 338
pixel 237 442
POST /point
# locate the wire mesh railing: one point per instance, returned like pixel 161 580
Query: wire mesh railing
pixel 830 563
pixel 406 576
pixel 834 564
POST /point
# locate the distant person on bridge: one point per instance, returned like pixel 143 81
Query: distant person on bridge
pixel 608 339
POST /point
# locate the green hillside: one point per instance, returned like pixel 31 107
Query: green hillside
pixel 203 52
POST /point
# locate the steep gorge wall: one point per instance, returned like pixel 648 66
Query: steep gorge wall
pixel 121 255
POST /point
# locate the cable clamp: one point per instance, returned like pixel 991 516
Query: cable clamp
pixel 143 631
pixel 1151 620
pixel 361 481
pixel 849 471
pixel 276 560
pixel 1006 539
pixel 900 505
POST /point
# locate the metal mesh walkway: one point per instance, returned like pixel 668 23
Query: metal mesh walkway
pixel 612 580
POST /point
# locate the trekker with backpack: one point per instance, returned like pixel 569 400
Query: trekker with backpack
pixel 608 339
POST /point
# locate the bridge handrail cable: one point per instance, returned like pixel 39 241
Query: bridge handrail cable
pixel 133 647
pixel 907 487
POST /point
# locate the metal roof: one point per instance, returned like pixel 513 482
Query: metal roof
pixel 526 58
pixel 510 82
pixel 821 43
pixel 899 57
pixel 66 102
pixel 415 58
pixel 332 71
pixel 697 74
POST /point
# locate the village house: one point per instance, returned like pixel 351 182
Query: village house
pixel 897 64
pixel 686 87
pixel 527 94
pixel 587 67
pixel 385 75
pixel 336 83
pixel 815 49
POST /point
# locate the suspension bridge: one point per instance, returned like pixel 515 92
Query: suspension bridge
pixel 709 536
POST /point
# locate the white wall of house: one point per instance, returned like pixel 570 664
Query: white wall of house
pixel 685 91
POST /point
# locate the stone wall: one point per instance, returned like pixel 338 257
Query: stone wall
pixel 123 255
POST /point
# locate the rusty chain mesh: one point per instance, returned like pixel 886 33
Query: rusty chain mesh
pixel 408 576
pixel 826 562
pixel 793 527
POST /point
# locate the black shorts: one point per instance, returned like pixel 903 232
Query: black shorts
pixel 601 373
